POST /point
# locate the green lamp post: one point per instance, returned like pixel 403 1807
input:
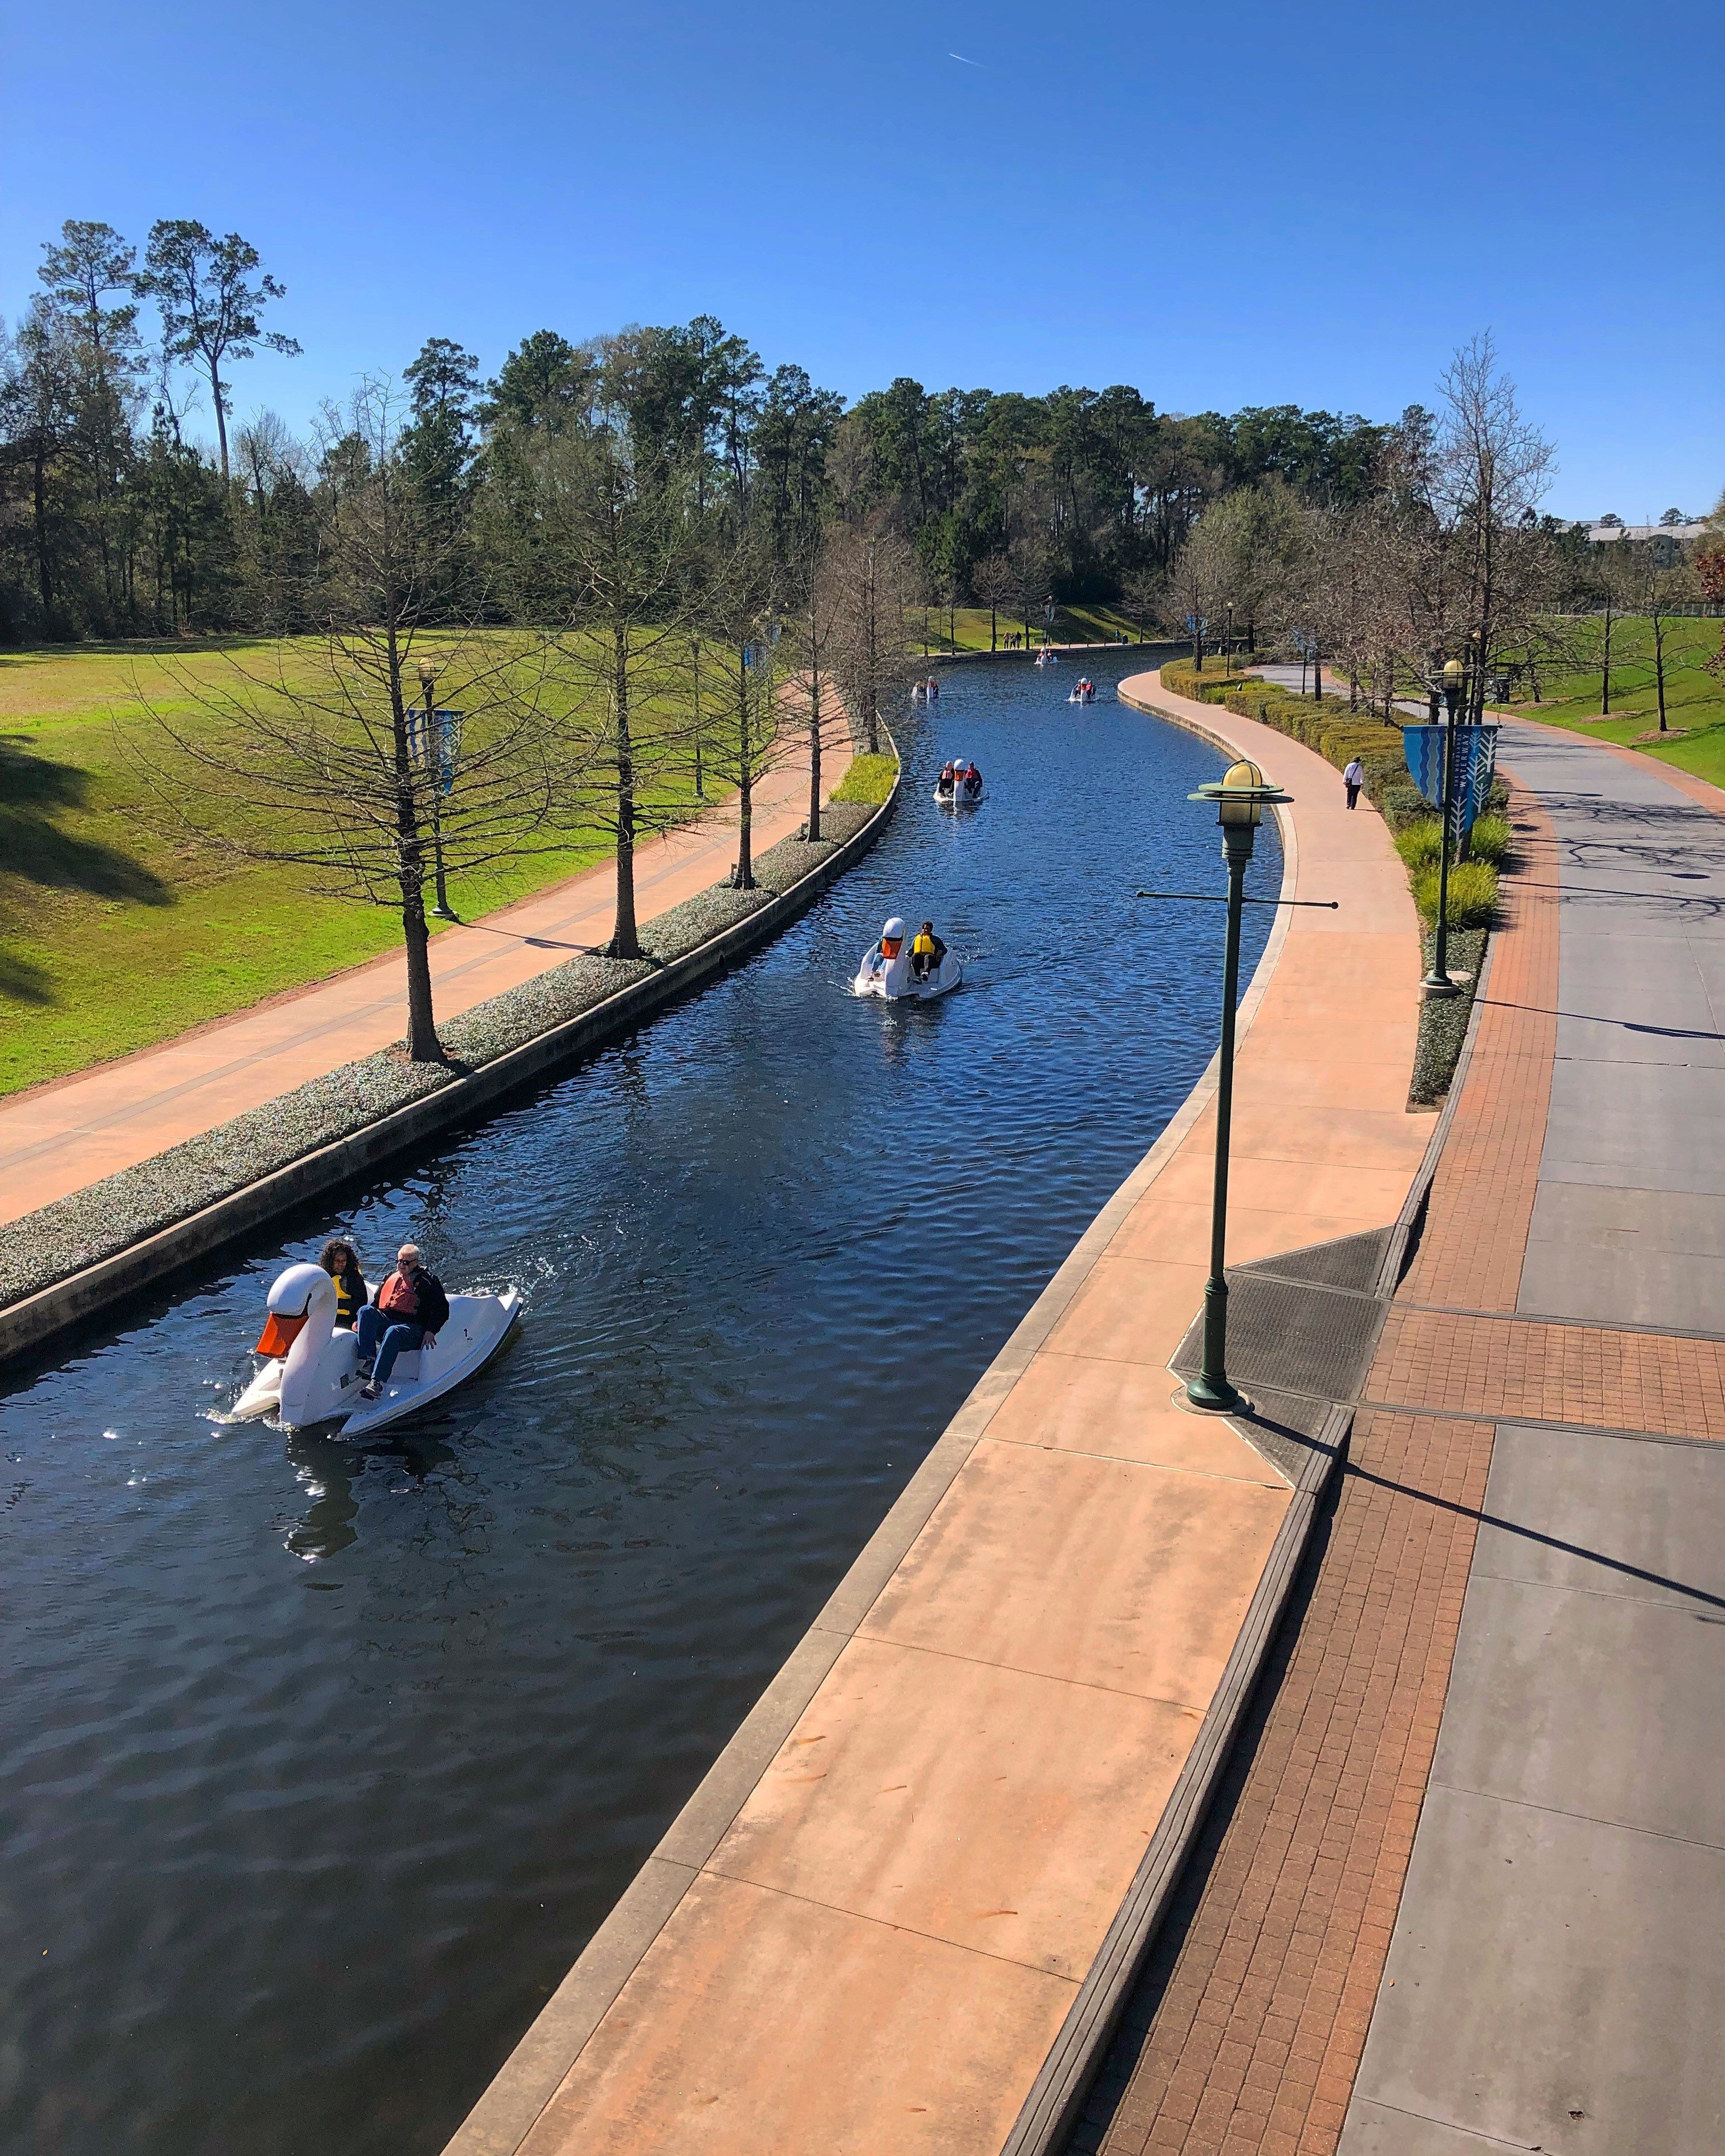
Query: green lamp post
pixel 1241 797
pixel 1437 982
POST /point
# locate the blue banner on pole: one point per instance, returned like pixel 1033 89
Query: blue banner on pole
pixel 1470 782
pixel 1470 777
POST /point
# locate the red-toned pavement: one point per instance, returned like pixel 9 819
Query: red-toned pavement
pixel 1463 1889
pixel 58 1138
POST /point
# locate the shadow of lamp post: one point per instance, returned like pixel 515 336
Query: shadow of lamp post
pixel 1241 797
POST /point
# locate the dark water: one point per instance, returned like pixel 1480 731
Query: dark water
pixel 320 1765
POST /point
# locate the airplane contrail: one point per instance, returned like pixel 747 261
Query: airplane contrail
pixel 959 56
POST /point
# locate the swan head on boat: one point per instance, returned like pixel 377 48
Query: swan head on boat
pixel 298 1297
pixel 892 938
pixel 300 1333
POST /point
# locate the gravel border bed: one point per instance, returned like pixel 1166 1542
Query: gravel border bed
pixel 1443 1021
pixel 100 1221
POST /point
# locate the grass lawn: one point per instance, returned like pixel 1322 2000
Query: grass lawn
pixel 969 627
pixel 114 936
pixel 1695 699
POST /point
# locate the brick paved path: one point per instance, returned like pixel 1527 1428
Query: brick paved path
pixel 1246 2031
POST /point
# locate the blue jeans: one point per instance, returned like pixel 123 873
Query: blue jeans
pixel 397 1340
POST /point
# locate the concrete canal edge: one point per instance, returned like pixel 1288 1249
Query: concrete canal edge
pixel 33 1320
pixel 507 2111
pixel 1058 2095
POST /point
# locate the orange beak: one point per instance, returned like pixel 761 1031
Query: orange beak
pixel 279 1334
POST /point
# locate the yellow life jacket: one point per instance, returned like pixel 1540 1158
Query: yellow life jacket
pixel 923 947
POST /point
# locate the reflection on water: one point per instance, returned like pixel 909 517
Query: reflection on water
pixel 322 1762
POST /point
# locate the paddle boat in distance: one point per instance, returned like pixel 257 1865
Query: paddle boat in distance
pixel 1084 693
pixel 1045 657
pixel 885 970
pixel 311 1372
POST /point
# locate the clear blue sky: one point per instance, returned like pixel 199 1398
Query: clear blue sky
pixel 1227 204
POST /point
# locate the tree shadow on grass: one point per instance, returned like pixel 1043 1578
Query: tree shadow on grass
pixel 33 789
pixel 23 980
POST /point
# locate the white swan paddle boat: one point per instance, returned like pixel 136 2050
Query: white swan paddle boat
pixel 1084 693
pixel 885 970
pixel 1045 657
pixel 961 793
pixel 310 1373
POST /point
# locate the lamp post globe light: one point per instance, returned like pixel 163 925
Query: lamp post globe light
pixel 1240 797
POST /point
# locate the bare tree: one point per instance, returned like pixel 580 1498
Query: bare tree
pixel 996 584
pixel 324 759
pixel 874 574
pixel 814 620
pixel 1491 467
pixel 1142 592
pixel 1656 585
pixel 739 618
pixel 1193 592
pixel 618 537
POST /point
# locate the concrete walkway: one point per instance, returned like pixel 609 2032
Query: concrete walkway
pixel 1555 1975
pixel 1465 1888
pixel 864 1931
pixel 58 1137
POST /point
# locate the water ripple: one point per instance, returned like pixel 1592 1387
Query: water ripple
pixel 322 1764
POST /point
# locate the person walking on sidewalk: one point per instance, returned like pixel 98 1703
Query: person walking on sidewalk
pixel 409 1310
pixel 1353 778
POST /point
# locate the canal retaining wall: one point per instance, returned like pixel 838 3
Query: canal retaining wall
pixel 36 1319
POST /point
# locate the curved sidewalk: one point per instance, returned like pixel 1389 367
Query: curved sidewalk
pixel 59 1137
pixel 866 1928
pixel 1463 1889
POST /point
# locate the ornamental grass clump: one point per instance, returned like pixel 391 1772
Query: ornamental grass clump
pixel 1473 893
pixel 1490 840
pixel 1419 843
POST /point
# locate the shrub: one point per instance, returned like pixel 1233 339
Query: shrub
pixel 870 778
pixel 1417 844
pixel 1489 840
pixel 1401 804
pixel 1473 893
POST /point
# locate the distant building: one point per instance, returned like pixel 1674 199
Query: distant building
pixel 1665 539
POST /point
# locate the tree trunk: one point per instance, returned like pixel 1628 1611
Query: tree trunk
pixel 993 642
pixel 625 936
pixel 1658 665
pixel 1605 670
pixel 38 503
pixel 814 717
pixel 424 1045
pixel 744 878
pixel 1318 676
pixel 215 391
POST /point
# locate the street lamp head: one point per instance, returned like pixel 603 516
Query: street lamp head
pixel 428 673
pixel 1453 671
pixel 1242 791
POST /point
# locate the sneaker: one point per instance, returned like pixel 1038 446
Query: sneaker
pixel 370 1389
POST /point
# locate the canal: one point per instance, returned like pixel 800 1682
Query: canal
pixel 321 1764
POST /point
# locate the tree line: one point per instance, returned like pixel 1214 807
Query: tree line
pixel 117 520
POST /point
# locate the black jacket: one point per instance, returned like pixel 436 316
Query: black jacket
pixel 433 1311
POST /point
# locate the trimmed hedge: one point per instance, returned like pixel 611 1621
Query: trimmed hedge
pixel 1324 723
